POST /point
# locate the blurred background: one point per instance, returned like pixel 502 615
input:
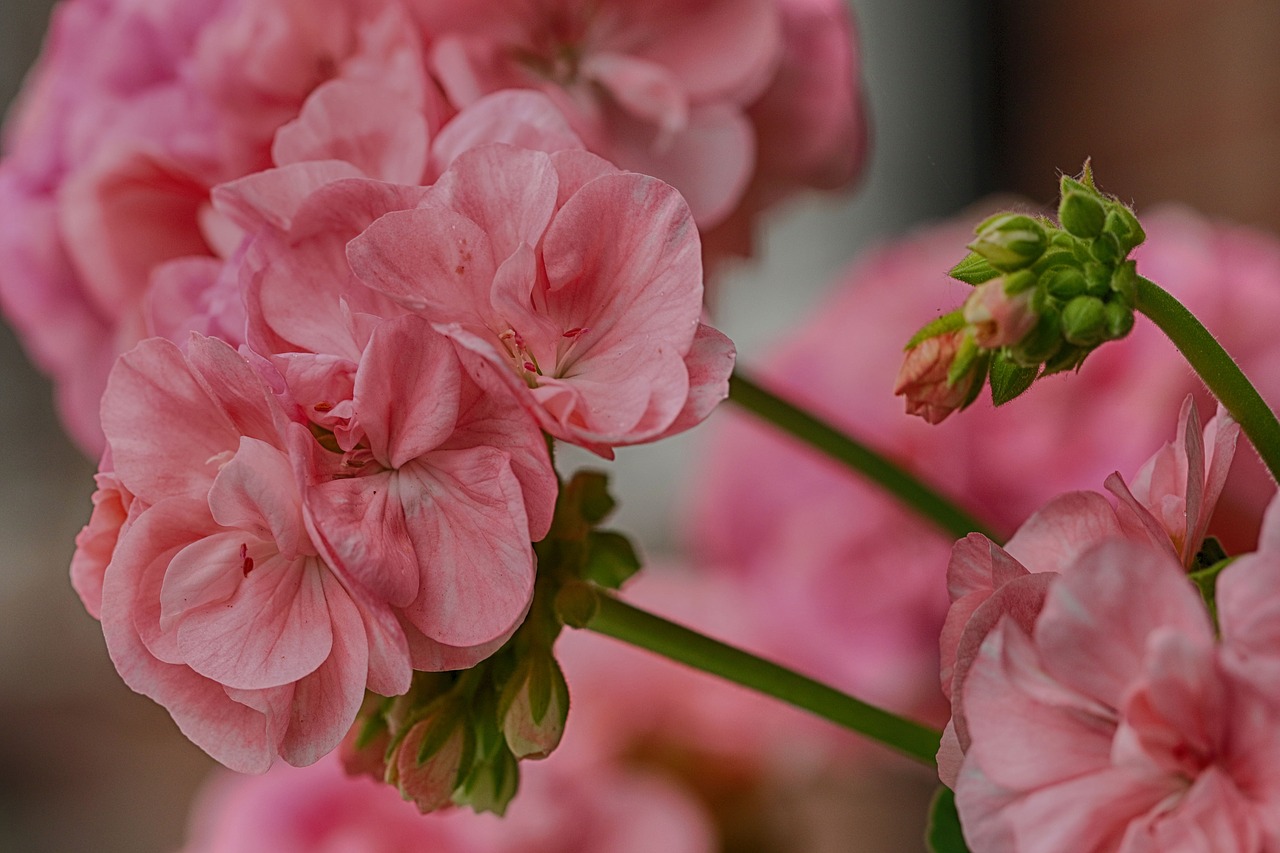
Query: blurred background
pixel 1174 100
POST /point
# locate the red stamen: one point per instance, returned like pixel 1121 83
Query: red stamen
pixel 248 561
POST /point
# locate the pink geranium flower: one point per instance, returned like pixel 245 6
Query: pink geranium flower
pixel 1117 723
pixel 581 282
pixel 216 602
pixel 1179 487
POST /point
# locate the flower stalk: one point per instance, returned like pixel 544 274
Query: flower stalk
pixel 911 491
pixel 585 606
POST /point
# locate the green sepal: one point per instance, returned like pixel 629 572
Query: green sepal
pixel 974 269
pixel 576 604
pixel 1082 213
pixel 491 784
pixel 1206 579
pixel 966 358
pixel 943 325
pixel 943 833
pixel 611 559
pixel 979 369
pixel 1009 380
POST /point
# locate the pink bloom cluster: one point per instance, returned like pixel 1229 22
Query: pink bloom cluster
pixel 797 529
pixel 339 482
pixel 1094 708
pixel 137 111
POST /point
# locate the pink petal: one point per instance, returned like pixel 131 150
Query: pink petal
pixel 325 703
pixel 645 89
pixel 368 126
pixel 1094 627
pixel 979 565
pixel 521 118
pixel 274 630
pixel 710 362
pixel 273 196
pixel 256 493
pixel 1248 599
pixel 407 390
pixel 1062 529
pixel 232 733
pixel 465 513
pixel 1212 815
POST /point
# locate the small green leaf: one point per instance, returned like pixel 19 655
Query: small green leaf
pixel 943 325
pixel 1008 380
pixel 974 269
pixel 611 559
pixel 943 834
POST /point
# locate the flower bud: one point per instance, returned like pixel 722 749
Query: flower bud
pixel 1084 321
pixel 1119 320
pixel 533 707
pixel 1124 227
pixel 1064 283
pixel 1041 344
pixel 431 760
pixel 923 377
pixel 997 318
pixel 1082 214
pixel 1010 241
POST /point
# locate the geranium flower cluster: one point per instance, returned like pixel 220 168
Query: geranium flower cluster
pixel 138 110
pixel 330 476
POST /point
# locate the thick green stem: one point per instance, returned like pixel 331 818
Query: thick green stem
pixel 818 434
pixel 605 614
pixel 1216 368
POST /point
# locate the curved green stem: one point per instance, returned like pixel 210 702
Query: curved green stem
pixel 607 615
pixel 818 434
pixel 1216 368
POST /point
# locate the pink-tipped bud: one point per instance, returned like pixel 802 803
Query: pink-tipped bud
pixel 998 319
pixel 922 379
pixel 430 761
pixel 534 706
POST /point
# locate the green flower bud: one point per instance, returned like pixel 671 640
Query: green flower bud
pixel 1040 344
pixel 1018 282
pixel 1119 320
pixel 1106 249
pixel 1124 226
pixel 1010 241
pixel 1097 280
pixel 534 706
pixel 1124 282
pixel 1084 321
pixel 1063 283
pixel 1082 214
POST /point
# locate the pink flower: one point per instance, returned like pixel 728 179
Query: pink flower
pixel 562 808
pixel 988 583
pixel 998 319
pixel 1117 723
pixel 923 378
pixel 133 113
pixel 737 105
pixel 582 283
pixel 215 602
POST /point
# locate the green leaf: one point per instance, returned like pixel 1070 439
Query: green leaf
pixel 943 834
pixel 974 269
pixel 1008 380
pixel 611 559
pixel 941 326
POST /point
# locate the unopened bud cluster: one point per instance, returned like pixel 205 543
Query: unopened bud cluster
pixel 1045 296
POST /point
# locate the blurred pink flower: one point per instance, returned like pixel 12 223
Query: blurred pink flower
pixel 136 110
pixel 1116 722
pixel 580 282
pixel 562 808
pixel 734 104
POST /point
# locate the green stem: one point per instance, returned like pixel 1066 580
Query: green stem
pixel 818 434
pixel 610 616
pixel 1216 368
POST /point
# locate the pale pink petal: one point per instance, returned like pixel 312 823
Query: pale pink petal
pixel 509 192
pixel 979 565
pixel 1220 436
pixel 1212 816
pixel 273 631
pixel 1029 730
pixel 710 160
pixel 128 212
pixel 645 89
pixel 325 702
pixel 1137 522
pixel 1093 637
pixel 1248 599
pixel 272 197
pixel 950 756
pixel 1269 536
pixel 1059 532
pixel 255 492
pixel 710 361
pixel 465 513
pixel 96 542
pixel 368 126
pixel 232 733
pixel 407 390
pixel 522 118
pixel 360 525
